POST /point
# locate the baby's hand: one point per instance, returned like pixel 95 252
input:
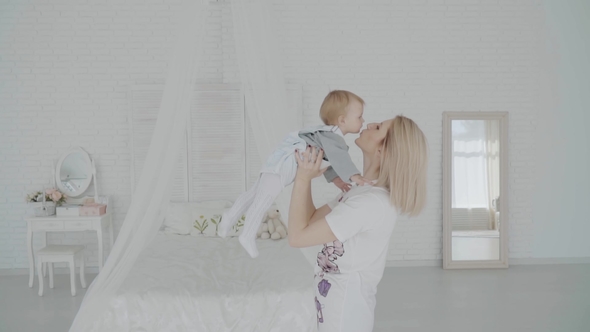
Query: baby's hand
pixel 345 187
pixel 359 180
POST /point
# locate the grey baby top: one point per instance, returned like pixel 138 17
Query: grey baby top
pixel 331 140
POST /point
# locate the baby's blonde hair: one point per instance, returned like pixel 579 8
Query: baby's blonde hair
pixel 404 163
pixel 335 104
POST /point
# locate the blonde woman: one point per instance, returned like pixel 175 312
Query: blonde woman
pixel 356 227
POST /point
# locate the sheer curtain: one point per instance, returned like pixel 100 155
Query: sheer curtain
pixel 261 72
pixel 492 130
pixel 476 167
pixel 469 181
pixel 150 199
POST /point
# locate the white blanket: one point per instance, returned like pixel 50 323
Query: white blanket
pixel 183 283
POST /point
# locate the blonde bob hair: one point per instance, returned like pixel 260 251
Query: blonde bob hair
pixel 403 166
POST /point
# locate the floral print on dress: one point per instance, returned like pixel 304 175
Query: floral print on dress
pixel 318 307
pixel 328 255
pixel 324 287
pixel 325 260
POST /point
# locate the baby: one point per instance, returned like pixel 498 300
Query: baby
pixel 342 113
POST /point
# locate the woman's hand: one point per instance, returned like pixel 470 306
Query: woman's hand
pixel 308 163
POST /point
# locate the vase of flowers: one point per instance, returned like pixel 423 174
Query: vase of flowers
pixel 42 204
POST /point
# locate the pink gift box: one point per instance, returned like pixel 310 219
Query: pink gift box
pixel 93 209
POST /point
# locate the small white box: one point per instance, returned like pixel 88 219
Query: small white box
pixel 68 210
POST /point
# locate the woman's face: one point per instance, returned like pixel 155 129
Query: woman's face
pixel 372 138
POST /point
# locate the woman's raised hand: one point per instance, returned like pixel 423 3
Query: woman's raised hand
pixel 308 163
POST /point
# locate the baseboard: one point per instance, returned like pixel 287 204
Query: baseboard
pixel 511 261
pixel 437 263
pixel 545 261
pixel 422 263
pixel 57 270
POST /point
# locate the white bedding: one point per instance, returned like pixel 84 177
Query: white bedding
pixel 183 283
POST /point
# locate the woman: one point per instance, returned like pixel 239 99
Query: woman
pixel 356 227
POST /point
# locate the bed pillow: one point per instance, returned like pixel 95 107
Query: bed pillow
pixel 205 222
pixel 178 219
pixel 238 227
pixel 181 216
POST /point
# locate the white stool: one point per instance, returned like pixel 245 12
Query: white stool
pixel 61 253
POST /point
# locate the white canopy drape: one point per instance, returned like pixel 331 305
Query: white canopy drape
pixel 261 72
pixel 150 199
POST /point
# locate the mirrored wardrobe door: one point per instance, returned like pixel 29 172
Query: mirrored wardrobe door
pixel 474 183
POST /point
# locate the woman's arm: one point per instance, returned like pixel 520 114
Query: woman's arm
pixel 320 213
pixel 307 226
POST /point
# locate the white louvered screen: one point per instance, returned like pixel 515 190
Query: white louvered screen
pixel 145 103
pixel 219 156
pixel 470 219
pixel 253 161
pixel 217 163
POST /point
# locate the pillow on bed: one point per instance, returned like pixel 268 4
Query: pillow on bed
pixel 181 216
pixel 206 223
pixel 177 219
pixel 236 230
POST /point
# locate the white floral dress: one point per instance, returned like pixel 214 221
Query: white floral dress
pixel 349 269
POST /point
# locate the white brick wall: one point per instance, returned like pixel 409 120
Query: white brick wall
pixel 65 67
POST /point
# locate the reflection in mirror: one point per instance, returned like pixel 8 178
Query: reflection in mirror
pixel 74 172
pixel 475 184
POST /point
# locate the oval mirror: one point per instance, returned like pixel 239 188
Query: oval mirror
pixel 74 172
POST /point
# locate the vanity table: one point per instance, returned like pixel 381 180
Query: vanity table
pixel 73 174
pixel 67 224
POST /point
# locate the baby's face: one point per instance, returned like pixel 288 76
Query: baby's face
pixel 353 121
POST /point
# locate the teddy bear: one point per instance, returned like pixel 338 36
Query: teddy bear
pixel 272 226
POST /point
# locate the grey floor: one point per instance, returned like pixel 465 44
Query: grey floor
pixel 551 298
